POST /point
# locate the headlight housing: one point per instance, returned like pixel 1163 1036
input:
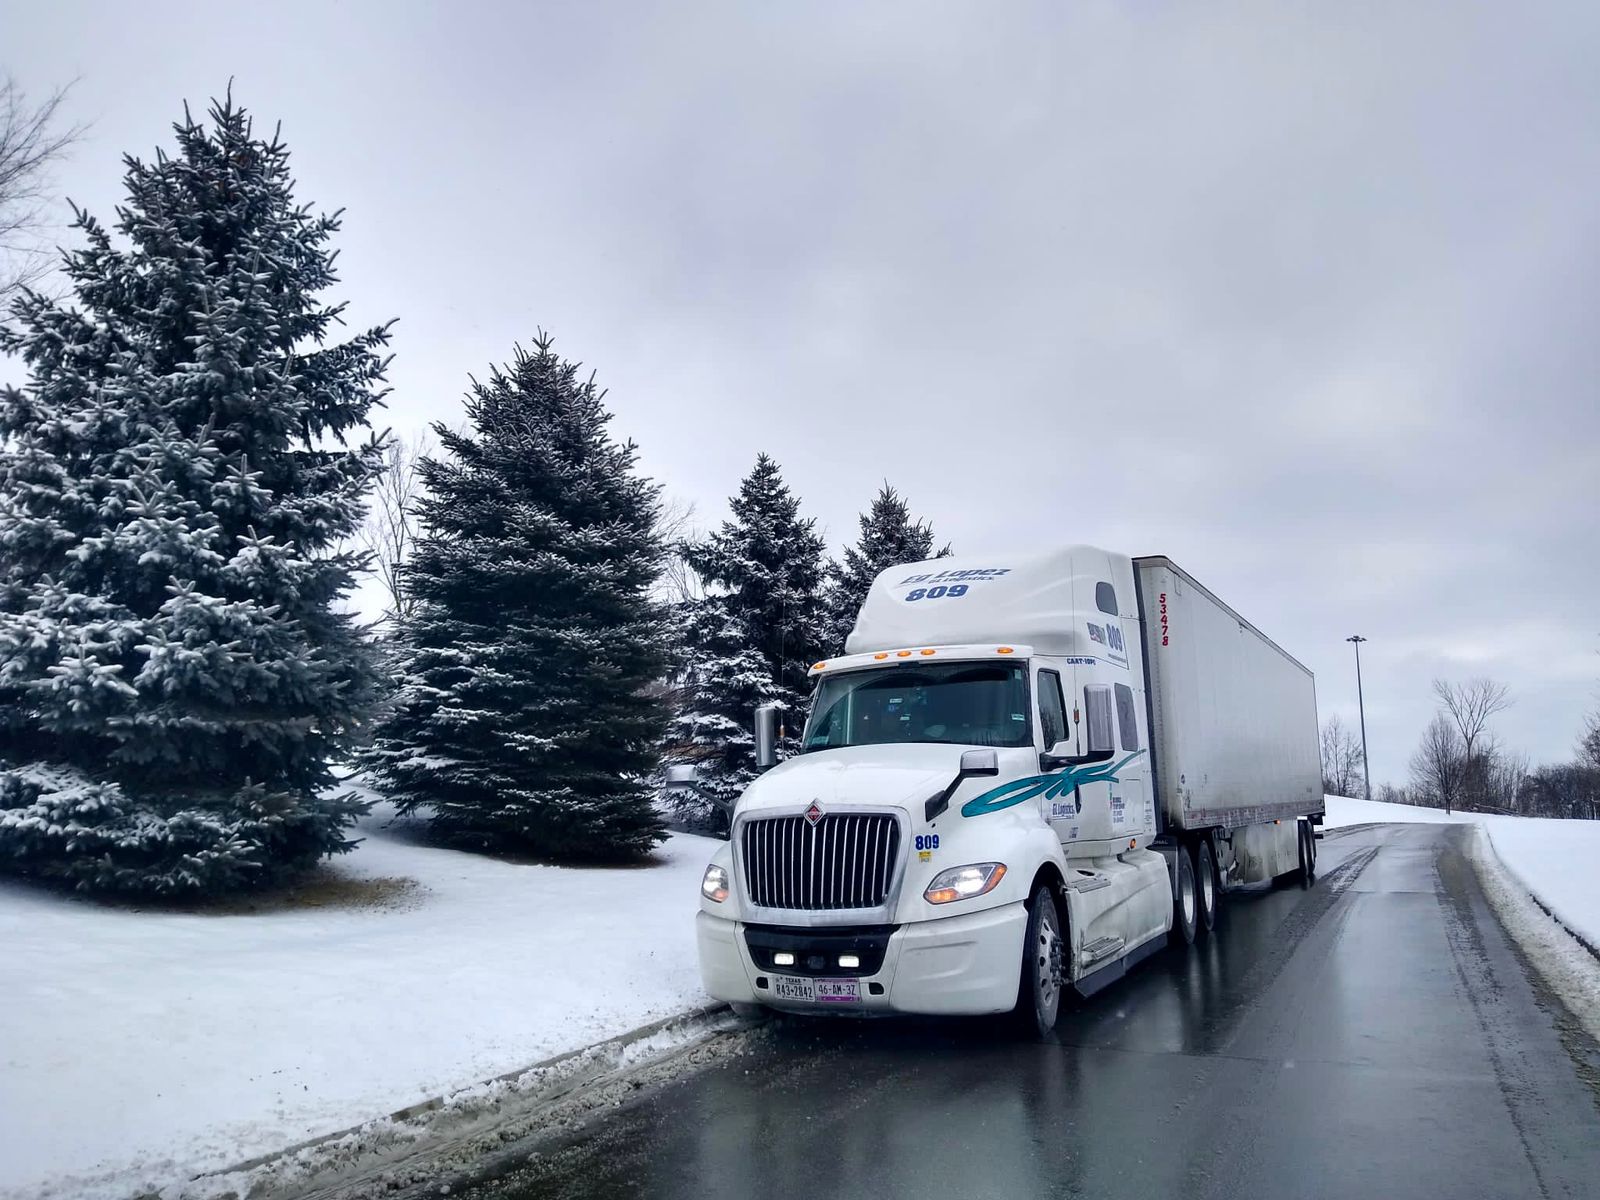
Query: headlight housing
pixel 714 886
pixel 963 883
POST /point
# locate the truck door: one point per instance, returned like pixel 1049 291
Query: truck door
pixel 1060 811
pixel 1121 666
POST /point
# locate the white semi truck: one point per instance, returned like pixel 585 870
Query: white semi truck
pixel 1027 773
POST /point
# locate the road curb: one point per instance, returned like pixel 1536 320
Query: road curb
pixel 526 1091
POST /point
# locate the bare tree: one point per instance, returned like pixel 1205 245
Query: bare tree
pixel 678 587
pixel 1341 758
pixel 1389 794
pixel 1568 791
pixel 1470 705
pixel 1437 768
pixel 678 583
pixel 31 138
pixel 390 530
pixel 1499 777
pixel 1589 743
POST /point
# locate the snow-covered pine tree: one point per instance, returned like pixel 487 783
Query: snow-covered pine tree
pixel 750 640
pixel 526 719
pixel 888 537
pixel 175 668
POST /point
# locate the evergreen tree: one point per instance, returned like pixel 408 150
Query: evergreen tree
pixel 751 640
pixel 174 671
pixel 888 538
pixel 526 719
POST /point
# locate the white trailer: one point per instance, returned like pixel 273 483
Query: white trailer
pixel 1026 773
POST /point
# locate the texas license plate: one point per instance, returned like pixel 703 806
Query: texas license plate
pixel 816 991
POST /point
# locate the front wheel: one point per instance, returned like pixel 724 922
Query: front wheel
pixel 1185 901
pixel 1043 967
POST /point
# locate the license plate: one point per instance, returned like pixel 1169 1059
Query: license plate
pixel 816 991
pixel 838 991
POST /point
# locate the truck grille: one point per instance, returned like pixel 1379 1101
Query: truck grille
pixel 842 861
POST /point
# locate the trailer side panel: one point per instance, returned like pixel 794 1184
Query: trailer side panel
pixel 1235 718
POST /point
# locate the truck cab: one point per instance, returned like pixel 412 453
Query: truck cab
pixel 971 822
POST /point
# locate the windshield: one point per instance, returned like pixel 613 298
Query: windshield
pixel 964 703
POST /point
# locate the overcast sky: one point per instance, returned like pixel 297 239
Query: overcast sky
pixel 1306 297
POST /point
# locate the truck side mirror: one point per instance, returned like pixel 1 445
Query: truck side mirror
pixel 973 762
pixel 766 736
pixel 1098 715
pixel 980 762
pixel 1062 755
pixel 682 777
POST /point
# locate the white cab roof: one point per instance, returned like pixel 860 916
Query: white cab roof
pixel 1038 598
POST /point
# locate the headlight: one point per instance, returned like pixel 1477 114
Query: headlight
pixel 963 883
pixel 715 884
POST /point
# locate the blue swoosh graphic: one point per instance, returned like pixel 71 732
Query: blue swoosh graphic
pixel 1047 786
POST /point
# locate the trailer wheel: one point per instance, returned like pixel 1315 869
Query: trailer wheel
pixel 1185 900
pixel 1043 967
pixel 1308 852
pixel 1205 876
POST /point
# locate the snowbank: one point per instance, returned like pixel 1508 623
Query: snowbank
pixel 1346 810
pixel 1557 861
pixel 145 1046
pixel 1568 967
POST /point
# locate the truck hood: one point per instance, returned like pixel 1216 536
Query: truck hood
pixel 900 775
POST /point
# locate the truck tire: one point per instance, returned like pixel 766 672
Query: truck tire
pixel 1043 967
pixel 1185 900
pixel 1308 852
pixel 1205 877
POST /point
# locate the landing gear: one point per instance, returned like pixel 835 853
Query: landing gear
pixel 1043 966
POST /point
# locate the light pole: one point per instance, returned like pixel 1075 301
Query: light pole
pixel 1366 769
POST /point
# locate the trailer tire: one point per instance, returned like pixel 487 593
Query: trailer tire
pixel 1308 853
pixel 1185 900
pixel 1205 875
pixel 1043 980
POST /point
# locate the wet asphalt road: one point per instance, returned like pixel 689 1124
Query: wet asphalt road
pixel 1372 1036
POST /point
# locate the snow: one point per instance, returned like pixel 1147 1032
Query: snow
pixel 1557 861
pixel 1569 968
pixel 155 1045
pixel 1346 810
pixel 159 1044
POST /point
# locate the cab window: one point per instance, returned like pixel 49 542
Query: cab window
pixel 1052 709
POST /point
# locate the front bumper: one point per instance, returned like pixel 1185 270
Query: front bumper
pixel 964 964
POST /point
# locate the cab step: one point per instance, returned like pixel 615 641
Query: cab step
pixel 1101 947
